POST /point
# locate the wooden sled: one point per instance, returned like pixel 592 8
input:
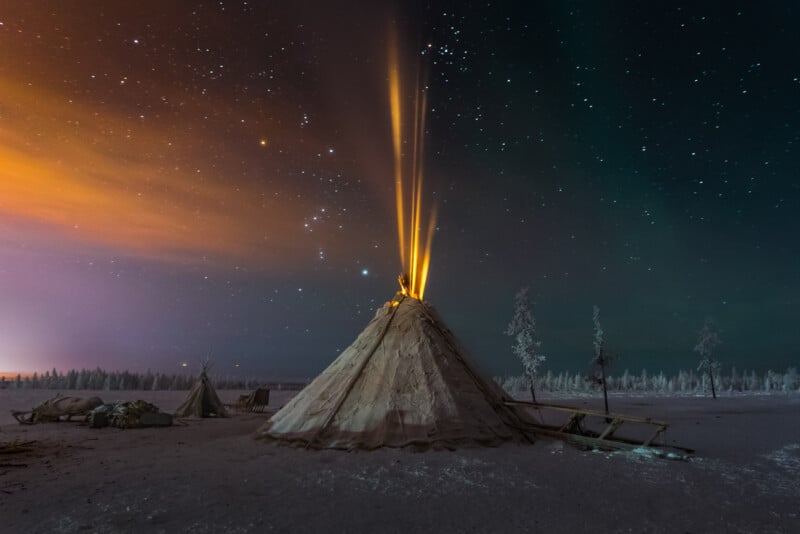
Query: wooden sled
pixel 31 418
pixel 573 430
pixel 52 410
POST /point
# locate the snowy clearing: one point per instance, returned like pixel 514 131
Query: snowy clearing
pixel 211 476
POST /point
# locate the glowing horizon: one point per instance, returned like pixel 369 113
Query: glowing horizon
pixel 10 376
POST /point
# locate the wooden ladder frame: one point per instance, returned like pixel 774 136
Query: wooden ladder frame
pixel 572 432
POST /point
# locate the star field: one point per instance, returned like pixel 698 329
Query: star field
pixel 216 177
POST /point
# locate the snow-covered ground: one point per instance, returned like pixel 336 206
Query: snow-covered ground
pixel 211 476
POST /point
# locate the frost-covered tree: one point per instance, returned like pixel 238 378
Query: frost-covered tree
pixel 790 380
pixel 526 347
pixel 707 341
pixel 598 332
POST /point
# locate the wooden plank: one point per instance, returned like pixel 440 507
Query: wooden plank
pixel 572 422
pixel 658 431
pixel 587 441
pixel 611 428
pixel 605 444
pixel 595 413
pixel 592 441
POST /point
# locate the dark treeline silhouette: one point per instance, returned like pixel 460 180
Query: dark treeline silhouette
pixel 99 379
pixel 685 382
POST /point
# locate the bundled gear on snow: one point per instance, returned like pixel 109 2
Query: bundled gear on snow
pixel 132 414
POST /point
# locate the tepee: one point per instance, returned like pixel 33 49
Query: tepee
pixel 202 400
pixel 403 382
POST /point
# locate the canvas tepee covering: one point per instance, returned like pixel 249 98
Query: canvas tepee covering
pixel 202 400
pixel 403 382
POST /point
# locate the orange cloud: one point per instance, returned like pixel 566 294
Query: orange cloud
pixel 121 182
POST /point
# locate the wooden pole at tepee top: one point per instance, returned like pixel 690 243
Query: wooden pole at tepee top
pixel 356 374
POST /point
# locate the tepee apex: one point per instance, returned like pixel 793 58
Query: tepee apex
pixel 403 382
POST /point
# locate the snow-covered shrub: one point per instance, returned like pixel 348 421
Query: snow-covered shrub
pixel 707 340
pixel 526 347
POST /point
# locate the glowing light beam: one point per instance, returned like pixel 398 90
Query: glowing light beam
pixel 415 246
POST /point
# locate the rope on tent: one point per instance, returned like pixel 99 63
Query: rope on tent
pixel 355 375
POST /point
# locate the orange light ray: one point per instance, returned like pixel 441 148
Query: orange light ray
pixel 394 102
pixel 426 262
pixel 417 177
pixel 414 222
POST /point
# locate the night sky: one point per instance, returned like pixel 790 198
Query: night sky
pixel 183 178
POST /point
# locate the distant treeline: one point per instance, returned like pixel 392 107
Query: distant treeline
pixel 99 379
pixel 687 382
pixel 682 383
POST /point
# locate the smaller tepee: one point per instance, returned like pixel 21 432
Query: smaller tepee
pixel 202 400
